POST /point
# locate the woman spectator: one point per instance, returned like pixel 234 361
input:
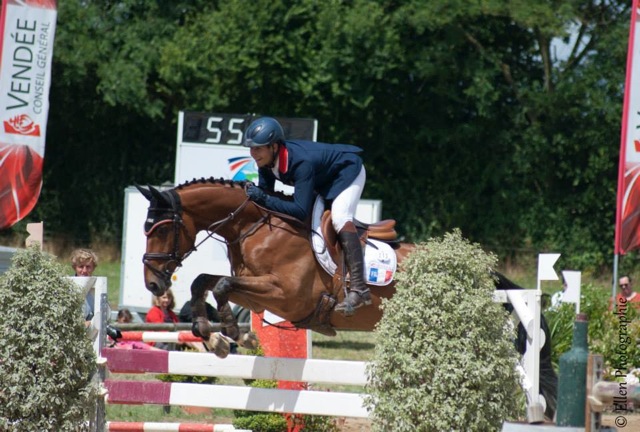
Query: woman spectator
pixel 162 312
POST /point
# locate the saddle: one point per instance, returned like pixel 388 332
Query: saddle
pixel 383 230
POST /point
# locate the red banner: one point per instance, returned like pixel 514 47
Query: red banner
pixel 27 29
pixel 628 203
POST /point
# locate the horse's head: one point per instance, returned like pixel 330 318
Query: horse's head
pixel 169 238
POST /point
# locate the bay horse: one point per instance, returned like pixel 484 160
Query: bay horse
pixel 273 265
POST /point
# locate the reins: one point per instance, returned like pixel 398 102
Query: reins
pixel 179 225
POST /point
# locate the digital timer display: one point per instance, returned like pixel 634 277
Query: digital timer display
pixel 229 129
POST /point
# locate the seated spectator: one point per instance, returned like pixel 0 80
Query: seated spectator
pixel 124 316
pixel 162 312
pixel 627 296
pixel 84 263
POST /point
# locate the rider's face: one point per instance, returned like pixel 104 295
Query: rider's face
pixel 264 155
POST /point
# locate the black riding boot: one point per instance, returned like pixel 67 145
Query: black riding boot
pixel 358 294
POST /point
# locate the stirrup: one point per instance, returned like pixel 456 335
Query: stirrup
pixel 352 302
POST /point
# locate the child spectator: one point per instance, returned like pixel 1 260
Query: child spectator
pixel 124 316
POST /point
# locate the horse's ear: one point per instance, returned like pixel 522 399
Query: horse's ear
pixel 159 196
pixel 145 192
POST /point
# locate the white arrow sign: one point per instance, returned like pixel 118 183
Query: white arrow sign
pixel 545 266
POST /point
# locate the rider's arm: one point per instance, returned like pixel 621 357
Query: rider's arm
pixel 303 194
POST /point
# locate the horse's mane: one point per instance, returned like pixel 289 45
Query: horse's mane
pixel 212 180
pixel 233 183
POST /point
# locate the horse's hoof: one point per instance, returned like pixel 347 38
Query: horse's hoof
pixel 249 341
pixel 218 345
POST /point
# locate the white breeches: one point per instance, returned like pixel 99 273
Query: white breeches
pixel 344 205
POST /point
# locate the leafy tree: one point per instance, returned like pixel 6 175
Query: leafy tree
pixel 469 114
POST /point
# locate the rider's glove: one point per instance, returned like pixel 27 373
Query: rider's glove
pixel 256 194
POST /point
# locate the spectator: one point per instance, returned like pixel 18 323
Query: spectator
pixel 84 263
pixel 162 312
pixel 124 316
pixel 627 296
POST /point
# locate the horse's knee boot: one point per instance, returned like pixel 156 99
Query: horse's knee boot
pixel 201 328
pixel 229 323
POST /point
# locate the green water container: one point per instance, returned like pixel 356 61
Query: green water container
pixel 572 382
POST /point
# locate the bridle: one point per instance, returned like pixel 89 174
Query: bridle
pixel 178 224
pixel 167 257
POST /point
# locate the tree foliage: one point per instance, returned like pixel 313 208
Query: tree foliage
pixel 46 358
pixel 501 118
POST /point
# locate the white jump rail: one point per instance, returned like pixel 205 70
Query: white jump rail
pixel 311 402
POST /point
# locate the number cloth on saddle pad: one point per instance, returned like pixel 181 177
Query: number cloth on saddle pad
pixel 379 258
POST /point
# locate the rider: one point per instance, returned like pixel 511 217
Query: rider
pixel 335 171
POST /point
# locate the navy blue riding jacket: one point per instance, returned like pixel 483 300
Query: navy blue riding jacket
pixel 311 167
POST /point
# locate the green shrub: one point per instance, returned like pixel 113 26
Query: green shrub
pixel 261 422
pixel 604 327
pixel 46 358
pixel 192 379
pixel 258 421
pixel 444 357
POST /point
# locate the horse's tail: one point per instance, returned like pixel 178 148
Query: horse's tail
pixel 548 378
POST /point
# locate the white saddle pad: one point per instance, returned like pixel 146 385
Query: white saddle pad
pixel 380 260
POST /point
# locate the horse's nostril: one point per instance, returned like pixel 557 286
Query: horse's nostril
pixel 155 289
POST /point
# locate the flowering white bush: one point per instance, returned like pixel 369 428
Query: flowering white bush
pixel 46 358
pixel 444 358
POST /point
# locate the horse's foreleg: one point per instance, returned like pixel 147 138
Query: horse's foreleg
pixel 199 288
pixel 228 321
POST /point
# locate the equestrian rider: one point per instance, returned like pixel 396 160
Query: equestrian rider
pixel 335 171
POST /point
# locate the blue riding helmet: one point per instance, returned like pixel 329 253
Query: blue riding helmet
pixel 263 131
